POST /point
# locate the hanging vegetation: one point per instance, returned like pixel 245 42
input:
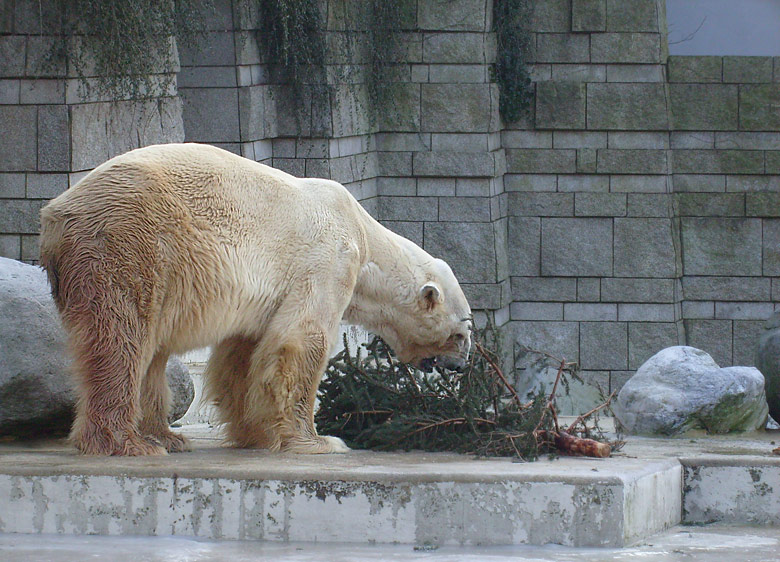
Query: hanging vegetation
pixel 315 54
pixel 376 402
pixel 513 39
pixel 124 48
pixel 292 39
pixel 366 40
pixel 384 35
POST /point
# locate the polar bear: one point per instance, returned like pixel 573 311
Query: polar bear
pixel 173 247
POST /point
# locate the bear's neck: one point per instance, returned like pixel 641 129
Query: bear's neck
pixel 387 283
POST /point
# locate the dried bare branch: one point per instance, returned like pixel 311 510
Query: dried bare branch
pixel 580 419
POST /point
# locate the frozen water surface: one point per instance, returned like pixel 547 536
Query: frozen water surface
pixel 682 544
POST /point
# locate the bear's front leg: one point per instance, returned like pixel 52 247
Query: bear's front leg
pixel 283 388
pixel 290 355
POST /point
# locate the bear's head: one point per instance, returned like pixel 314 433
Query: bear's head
pixel 439 334
pixel 418 307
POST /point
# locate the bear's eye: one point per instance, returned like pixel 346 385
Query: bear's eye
pixel 458 337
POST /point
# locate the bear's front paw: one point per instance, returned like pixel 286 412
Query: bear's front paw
pixel 138 447
pixel 318 445
pixel 336 444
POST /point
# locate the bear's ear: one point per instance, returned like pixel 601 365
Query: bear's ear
pixel 430 295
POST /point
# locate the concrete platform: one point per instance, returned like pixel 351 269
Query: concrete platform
pixel 218 493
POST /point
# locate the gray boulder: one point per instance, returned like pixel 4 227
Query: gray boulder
pixel 768 362
pixel 682 388
pixel 35 391
pixel 36 397
pixel 182 388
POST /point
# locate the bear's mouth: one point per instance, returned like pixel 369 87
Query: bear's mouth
pixel 427 364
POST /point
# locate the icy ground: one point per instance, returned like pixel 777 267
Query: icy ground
pixel 681 544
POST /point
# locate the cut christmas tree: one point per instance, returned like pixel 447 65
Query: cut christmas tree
pixel 373 401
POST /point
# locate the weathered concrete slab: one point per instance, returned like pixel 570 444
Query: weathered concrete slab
pixel 413 498
pixel 408 498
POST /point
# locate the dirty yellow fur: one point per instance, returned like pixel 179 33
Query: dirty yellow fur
pixel 174 247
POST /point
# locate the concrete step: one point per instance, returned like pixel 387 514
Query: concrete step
pixel 741 490
pixel 365 497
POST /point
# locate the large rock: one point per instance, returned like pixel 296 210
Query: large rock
pixel 35 388
pixel 768 362
pixel 35 392
pixel 182 388
pixel 682 388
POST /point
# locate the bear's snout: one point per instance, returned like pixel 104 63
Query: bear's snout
pixel 451 363
pixel 427 364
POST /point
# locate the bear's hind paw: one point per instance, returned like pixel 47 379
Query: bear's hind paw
pixel 173 442
pixel 105 443
pixel 141 448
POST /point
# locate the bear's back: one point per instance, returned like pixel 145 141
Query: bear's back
pixel 211 186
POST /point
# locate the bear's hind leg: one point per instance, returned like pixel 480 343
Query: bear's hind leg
pixel 108 363
pixel 155 403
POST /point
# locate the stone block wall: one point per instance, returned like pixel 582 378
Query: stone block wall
pixel 725 114
pixel 634 208
pixel 642 193
pixel 593 239
pixel 440 181
pixel 208 81
pixel 56 127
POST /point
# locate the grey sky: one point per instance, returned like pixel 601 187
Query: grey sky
pixel 724 27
